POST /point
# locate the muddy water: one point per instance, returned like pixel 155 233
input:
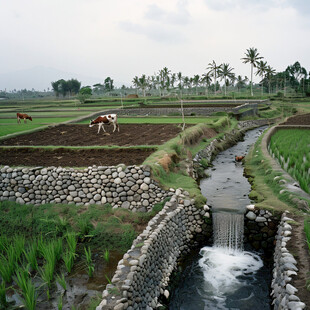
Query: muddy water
pixel 219 276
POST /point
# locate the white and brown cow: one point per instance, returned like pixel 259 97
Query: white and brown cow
pixel 23 116
pixel 105 120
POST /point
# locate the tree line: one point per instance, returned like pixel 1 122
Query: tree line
pixel 295 77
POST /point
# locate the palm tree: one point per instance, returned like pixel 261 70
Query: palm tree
pixel 136 83
pixel 241 82
pixel 261 71
pixel 252 57
pixel 269 74
pixel 213 70
pixel 225 72
pixel 180 79
pixel 196 82
pixel 207 81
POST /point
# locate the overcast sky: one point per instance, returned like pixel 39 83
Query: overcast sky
pixel 125 38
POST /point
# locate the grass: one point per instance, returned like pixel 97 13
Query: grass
pixel 3 300
pixel 292 149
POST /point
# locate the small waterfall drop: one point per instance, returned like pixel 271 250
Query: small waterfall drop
pixel 228 230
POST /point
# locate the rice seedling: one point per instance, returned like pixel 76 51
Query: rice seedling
pixel 292 149
pixel 89 262
pixel 3 243
pixel 31 255
pixel 8 264
pixel 62 281
pixel 71 241
pixel 3 301
pixel 60 303
pixel 27 288
pixel 106 255
pixel 47 275
pixel 19 245
pixel 68 258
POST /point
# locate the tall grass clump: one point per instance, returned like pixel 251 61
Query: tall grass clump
pixel 292 149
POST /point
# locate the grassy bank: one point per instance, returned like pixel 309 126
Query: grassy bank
pixel 169 162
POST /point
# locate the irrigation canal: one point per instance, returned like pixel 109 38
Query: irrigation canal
pixel 225 275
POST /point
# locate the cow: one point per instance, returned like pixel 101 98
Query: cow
pixel 105 120
pixel 23 116
pixel 239 158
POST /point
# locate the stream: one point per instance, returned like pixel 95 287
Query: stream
pixel 225 275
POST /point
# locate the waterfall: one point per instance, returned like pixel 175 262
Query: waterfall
pixel 228 230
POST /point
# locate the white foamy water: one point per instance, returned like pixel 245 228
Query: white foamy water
pixel 226 271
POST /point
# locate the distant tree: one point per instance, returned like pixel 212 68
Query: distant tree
pixel 73 86
pixel 84 93
pixel 55 87
pixel 252 57
pixel 206 80
pixel 225 72
pixel 108 84
pixel 196 82
pixel 241 82
pixel 269 74
pixel 213 71
pixel 261 71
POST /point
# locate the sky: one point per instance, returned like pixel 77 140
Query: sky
pixel 122 39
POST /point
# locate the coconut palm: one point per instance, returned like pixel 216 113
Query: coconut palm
pixel 213 70
pixel 241 82
pixel 196 82
pixel 225 72
pixel 180 84
pixel 269 74
pixel 252 57
pixel 136 83
pixel 207 81
pixel 261 71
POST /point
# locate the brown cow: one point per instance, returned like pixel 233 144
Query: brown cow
pixel 239 158
pixel 23 116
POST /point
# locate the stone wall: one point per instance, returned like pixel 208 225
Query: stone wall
pixel 126 187
pixel 283 293
pixel 142 276
pixel 260 228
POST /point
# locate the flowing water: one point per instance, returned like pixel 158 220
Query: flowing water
pixel 224 276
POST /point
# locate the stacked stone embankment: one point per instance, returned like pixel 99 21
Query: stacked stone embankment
pixel 284 294
pixel 143 274
pixel 126 187
pixel 260 228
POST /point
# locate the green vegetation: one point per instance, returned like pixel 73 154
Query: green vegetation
pixel 265 183
pixel 292 148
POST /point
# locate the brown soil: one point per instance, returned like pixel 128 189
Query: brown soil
pixel 83 135
pixel 72 158
pixel 303 119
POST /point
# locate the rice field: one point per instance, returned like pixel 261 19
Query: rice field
pixel 292 149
